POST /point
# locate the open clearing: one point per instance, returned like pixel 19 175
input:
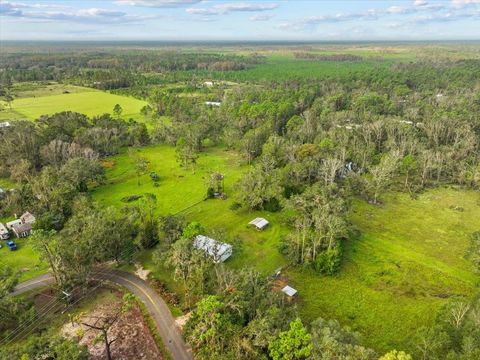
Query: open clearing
pixel 89 102
pixel 408 262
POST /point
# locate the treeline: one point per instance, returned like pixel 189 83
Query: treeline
pixel 327 57
pixel 105 70
pixel 57 157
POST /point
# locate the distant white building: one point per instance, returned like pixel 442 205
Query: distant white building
pixel 4 124
pixel 213 103
pixel 218 251
pixel 4 235
pixel 259 223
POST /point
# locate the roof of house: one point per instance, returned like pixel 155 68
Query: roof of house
pixel 259 222
pixel 27 218
pixel 21 228
pixel 288 290
pixel 210 246
pixel 4 124
pixel 10 224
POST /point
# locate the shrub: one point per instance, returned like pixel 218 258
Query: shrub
pixel 235 206
pixel 328 261
pixel 210 193
pixel 154 176
pixel 131 198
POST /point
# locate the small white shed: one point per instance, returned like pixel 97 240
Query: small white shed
pixel 289 291
pixel 259 223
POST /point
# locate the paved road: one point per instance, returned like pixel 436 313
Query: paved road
pixel 155 305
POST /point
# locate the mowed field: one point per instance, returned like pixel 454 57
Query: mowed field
pixel 86 101
pixel 407 263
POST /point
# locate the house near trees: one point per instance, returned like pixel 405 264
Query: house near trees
pixel 4 124
pixel 22 230
pixel 23 226
pixel 259 223
pixel 218 251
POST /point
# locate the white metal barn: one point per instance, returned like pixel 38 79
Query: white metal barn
pixel 218 251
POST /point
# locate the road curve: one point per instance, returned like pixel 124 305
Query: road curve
pixel 155 305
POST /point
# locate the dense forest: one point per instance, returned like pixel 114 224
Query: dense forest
pixel 312 146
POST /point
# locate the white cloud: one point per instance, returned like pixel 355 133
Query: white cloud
pixel 88 15
pixel 261 17
pixel 420 3
pixel 463 3
pixel 158 3
pixel 226 8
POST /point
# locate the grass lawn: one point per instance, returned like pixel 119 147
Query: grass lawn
pixel 89 102
pixel 408 262
pixel 182 191
pixel 24 260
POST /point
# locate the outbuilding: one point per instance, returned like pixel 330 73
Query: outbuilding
pixel 218 251
pixel 289 291
pixel 4 124
pixel 259 223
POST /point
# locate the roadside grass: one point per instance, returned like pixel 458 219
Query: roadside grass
pixel 407 264
pixel 89 102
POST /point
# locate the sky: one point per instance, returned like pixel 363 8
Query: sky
pixel 183 20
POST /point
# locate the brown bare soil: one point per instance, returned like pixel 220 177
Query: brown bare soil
pixel 133 339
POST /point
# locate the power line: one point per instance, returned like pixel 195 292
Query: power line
pixel 55 302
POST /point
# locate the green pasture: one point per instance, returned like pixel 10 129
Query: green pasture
pixel 39 89
pixel 408 262
pixel 182 192
pixel 90 102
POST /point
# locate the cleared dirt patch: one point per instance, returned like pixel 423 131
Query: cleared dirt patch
pixel 133 337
